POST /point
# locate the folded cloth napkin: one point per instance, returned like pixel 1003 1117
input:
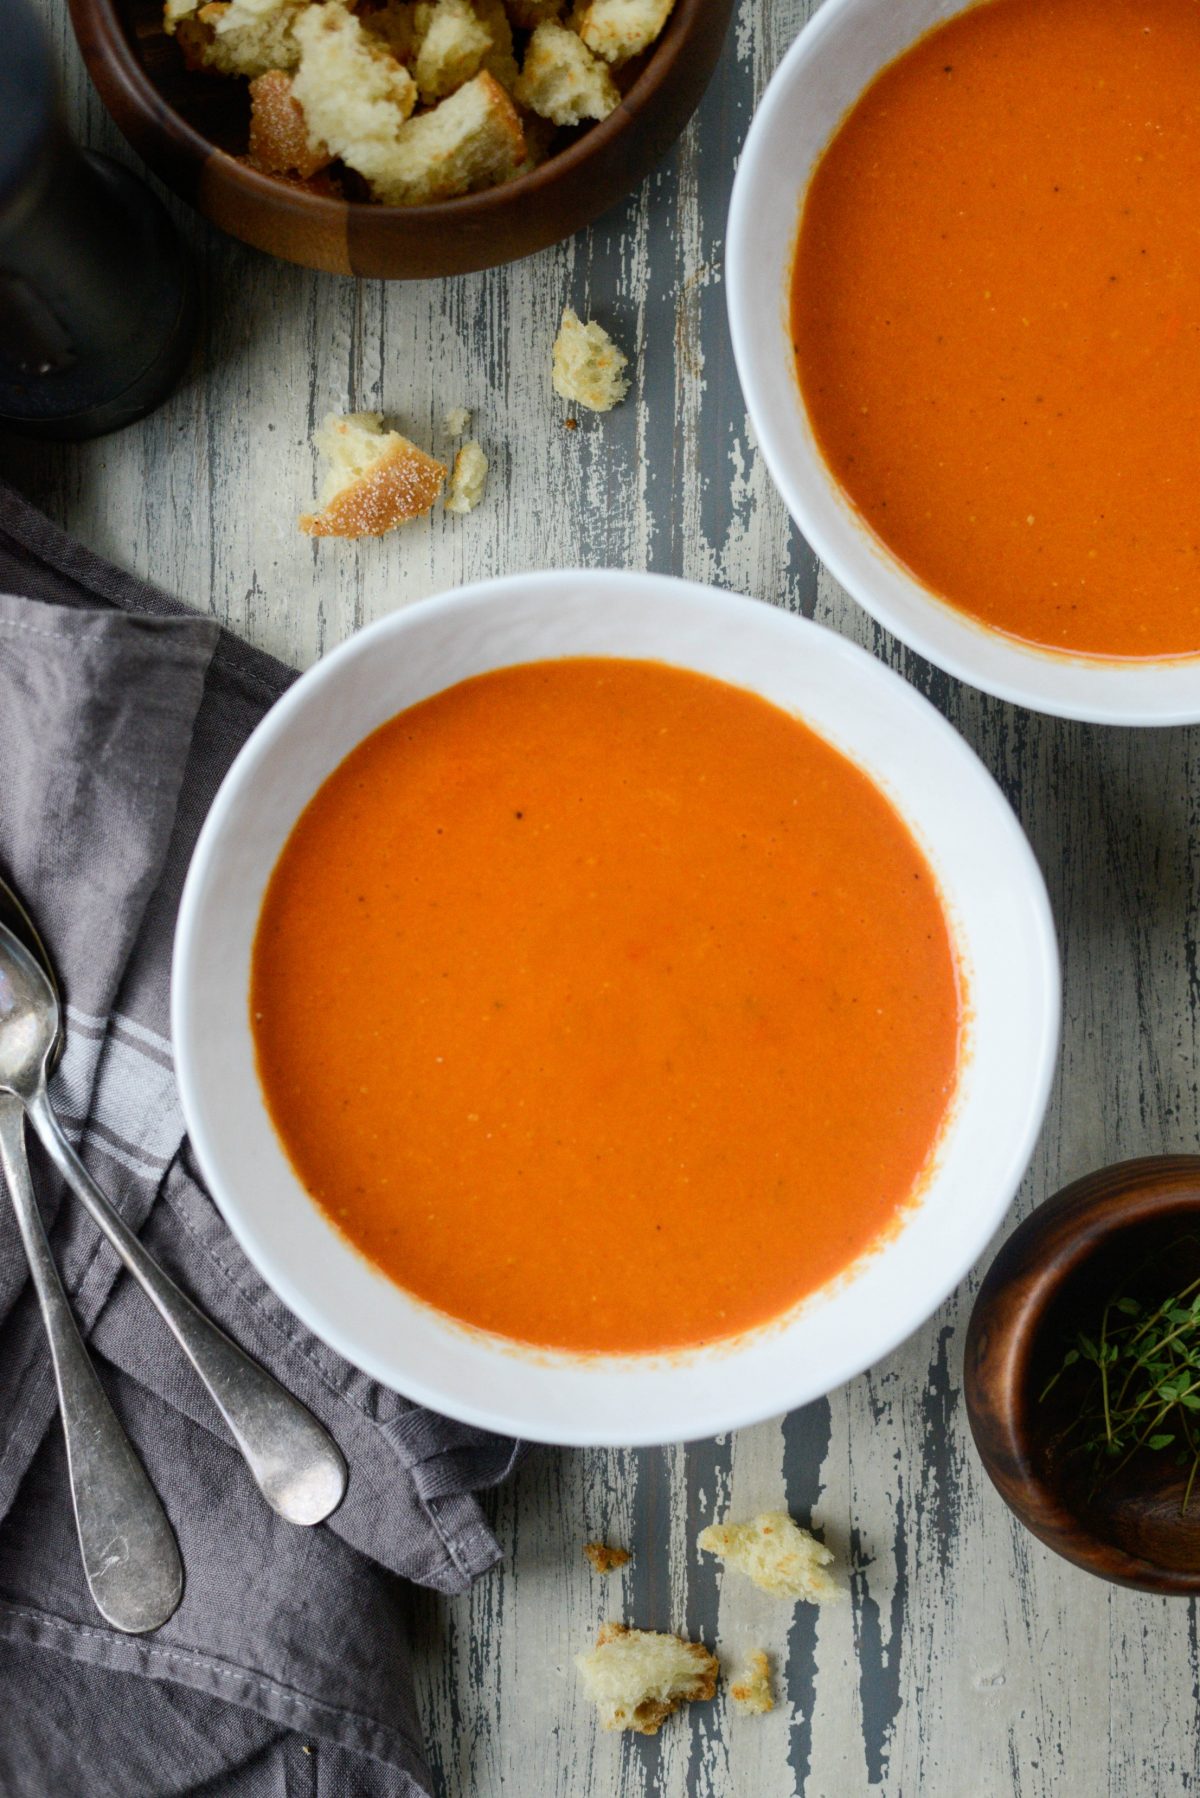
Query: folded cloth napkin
pixel 285 1669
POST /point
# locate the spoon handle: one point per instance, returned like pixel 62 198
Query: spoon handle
pixel 295 1462
pixel 129 1552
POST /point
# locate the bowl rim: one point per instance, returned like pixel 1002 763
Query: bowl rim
pixel 506 1416
pixel 104 19
pixel 1044 1252
pixel 1026 677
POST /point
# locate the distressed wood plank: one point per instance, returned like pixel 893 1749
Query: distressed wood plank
pixel 969 1660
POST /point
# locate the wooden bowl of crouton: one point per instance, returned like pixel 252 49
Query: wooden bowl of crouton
pixel 414 176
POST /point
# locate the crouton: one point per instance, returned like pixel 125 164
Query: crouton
pixel 456 422
pixel 562 80
pixel 528 14
pixel 354 94
pixel 394 24
pixel 539 138
pixel 499 61
pixel 375 479
pixel 777 1555
pixel 174 11
pixel 249 37
pixel 452 50
pixel 752 1693
pixel 603 1558
pixel 618 29
pixel 588 365
pixel 193 38
pixel 468 479
pixel 471 139
pixel 279 140
pixel 636 1678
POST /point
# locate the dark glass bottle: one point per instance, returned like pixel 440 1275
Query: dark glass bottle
pixel 97 306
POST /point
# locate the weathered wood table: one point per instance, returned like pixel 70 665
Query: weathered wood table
pixel 970 1661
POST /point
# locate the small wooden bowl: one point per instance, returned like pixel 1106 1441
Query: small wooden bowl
pixel 191 128
pixel 1054 1272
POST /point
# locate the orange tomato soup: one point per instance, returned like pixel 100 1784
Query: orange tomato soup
pixel 996 318
pixel 605 1006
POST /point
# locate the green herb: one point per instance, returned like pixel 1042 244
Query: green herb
pixel 1144 1392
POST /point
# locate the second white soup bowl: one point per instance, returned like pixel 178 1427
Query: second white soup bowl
pixel 995 898
pixel 828 68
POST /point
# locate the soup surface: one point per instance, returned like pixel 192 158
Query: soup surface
pixel 604 1005
pixel 996 318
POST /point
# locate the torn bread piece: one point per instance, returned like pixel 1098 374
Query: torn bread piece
pixel 752 1693
pixel 603 1558
pixel 244 37
pixel 452 49
pixel 175 10
pixel 375 479
pixel 456 422
pixel 468 478
pixel 500 60
pixel 540 135
pixel 562 80
pixel 636 1678
pixel 588 366
pixel 354 94
pixel 774 1552
pixel 279 140
pixel 470 140
pixel 395 24
pixel 618 29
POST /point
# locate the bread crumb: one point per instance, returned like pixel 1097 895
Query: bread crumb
pixel 375 479
pixel 752 1693
pixel 457 422
pixel 588 365
pixel 774 1552
pixel 468 479
pixel 562 80
pixel 636 1678
pixel 572 424
pixel 603 1558
pixel 619 29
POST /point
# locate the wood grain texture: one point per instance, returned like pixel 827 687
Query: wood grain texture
pixel 971 1660
pixel 1052 1276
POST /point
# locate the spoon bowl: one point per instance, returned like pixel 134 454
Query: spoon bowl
pixel 296 1464
pixel 15 916
pixel 30 1019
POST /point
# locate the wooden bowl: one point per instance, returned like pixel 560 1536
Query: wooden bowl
pixel 1053 1273
pixel 191 128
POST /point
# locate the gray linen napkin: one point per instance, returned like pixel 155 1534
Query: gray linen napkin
pixel 285 1670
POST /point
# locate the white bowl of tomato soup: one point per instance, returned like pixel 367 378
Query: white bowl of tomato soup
pixel 963 277
pixel 609 1010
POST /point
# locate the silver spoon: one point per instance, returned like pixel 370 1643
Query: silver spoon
pixel 296 1464
pixel 130 1557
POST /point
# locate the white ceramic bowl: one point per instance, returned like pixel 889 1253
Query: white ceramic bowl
pixel 994 892
pixel 837 55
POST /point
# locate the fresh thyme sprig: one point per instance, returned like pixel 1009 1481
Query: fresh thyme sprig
pixel 1146 1389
